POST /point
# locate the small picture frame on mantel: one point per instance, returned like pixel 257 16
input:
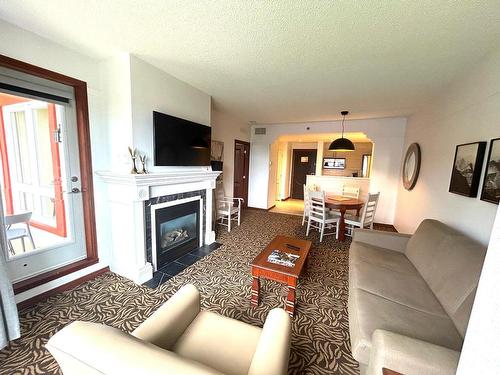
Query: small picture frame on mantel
pixel 491 181
pixel 466 170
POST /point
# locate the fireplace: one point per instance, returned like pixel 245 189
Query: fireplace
pixel 175 229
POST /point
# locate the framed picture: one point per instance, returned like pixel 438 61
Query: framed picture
pixel 334 163
pixel 491 182
pixel 466 170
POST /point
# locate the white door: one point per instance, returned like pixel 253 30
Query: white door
pixel 41 176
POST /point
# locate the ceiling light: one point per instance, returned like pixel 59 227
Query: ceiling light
pixel 342 144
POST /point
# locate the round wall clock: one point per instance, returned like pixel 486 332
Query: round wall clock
pixel 411 166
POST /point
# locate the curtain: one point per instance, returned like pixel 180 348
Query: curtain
pixel 9 320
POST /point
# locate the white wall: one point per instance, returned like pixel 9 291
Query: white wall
pixel 387 135
pixel 154 90
pixel 23 45
pixel 468 111
pixel 480 352
pixel 226 128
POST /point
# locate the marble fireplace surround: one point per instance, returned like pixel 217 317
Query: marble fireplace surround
pixel 130 197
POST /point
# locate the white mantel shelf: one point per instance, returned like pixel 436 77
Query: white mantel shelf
pixel 157 178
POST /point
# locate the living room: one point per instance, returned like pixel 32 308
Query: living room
pixel 262 80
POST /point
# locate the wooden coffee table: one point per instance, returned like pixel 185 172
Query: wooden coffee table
pixel 283 274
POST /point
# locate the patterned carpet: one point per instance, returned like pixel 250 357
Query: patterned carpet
pixel 320 341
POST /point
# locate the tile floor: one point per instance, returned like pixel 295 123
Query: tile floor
pixel 173 268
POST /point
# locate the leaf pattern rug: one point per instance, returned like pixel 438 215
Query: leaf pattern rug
pixel 320 339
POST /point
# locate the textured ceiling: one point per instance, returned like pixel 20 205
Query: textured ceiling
pixel 283 61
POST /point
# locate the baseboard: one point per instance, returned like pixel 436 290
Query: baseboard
pixel 284 200
pixel 72 284
pixel 262 209
pixel 386 227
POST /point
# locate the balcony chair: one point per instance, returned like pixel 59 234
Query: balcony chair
pixel 18 233
pixel 320 217
pixel 227 208
pixel 177 339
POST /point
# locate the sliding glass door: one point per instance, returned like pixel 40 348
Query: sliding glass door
pixel 41 185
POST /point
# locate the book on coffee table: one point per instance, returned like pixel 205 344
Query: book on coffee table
pixel 282 258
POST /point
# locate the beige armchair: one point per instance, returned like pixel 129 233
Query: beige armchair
pixel 177 339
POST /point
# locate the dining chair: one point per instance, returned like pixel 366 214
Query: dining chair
pixel 18 233
pixel 320 217
pixel 227 208
pixel 350 191
pixel 365 220
pixel 305 215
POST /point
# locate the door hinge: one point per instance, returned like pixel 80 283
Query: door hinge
pixel 57 135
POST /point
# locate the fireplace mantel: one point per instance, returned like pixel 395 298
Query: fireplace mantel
pixel 127 195
pixel 141 186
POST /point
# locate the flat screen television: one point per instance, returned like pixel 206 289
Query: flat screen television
pixel 179 142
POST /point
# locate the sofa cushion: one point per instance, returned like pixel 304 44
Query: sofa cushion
pixel 388 259
pixel 404 288
pixel 450 263
pixel 368 312
pixel 221 343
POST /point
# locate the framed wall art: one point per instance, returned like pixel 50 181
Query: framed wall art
pixel 466 170
pixel 491 182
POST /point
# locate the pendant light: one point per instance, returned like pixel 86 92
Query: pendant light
pixel 342 144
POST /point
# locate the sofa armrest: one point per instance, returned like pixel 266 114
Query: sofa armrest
pixel 380 238
pixel 410 356
pixel 91 348
pixel 273 349
pixel 169 322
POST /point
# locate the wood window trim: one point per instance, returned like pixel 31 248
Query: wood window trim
pixel 83 131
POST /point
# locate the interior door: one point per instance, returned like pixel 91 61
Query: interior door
pixel 303 163
pixel 41 150
pixel 241 165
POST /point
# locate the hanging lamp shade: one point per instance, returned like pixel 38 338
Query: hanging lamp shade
pixel 342 144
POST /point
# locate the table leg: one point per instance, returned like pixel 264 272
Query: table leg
pixel 290 301
pixel 341 228
pixel 255 291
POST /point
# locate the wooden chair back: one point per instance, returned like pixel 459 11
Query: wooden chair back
pixel 317 208
pixel 369 209
pixel 350 191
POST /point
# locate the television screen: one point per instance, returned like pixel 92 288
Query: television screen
pixel 179 142
pixel 334 163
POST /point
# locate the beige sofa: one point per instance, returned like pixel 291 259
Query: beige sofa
pixel 410 298
pixel 177 339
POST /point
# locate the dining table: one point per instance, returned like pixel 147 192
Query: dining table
pixel 341 203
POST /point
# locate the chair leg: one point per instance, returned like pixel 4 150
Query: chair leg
pixel 30 237
pixel 11 248
pixel 239 216
pixel 229 222
pixel 322 232
pixel 308 226
pixel 303 217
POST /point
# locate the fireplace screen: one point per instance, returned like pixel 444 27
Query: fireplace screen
pixel 177 231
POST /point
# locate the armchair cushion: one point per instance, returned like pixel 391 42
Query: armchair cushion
pixel 222 343
pixel 169 322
